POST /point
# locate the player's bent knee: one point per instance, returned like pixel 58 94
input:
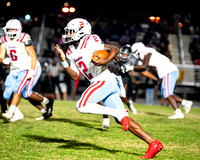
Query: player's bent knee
pixel 77 104
pixel 81 110
pixel 80 105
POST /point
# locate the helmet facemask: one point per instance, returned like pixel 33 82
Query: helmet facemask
pixel 76 29
pixel 72 35
pixel 125 53
pixel 12 34
pixel 124 57
pixel 68 36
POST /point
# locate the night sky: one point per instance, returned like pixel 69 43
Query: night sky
pixel 90 8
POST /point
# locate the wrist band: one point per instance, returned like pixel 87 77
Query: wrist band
pixel 64 64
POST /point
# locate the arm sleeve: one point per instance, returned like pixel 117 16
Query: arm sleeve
pixel 28 43
pixel 27 40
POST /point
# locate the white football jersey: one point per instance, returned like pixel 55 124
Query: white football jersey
pixel 80 58
pixel 15 50
pixel 162 63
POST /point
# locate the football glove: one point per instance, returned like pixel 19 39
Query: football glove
pixel 6 61
pixel 31 73
pixel 126 68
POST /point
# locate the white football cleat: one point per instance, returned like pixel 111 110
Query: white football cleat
pixel 7 115
pixel 17 116
pixel 188 106
pixel 178 114
pixel 40 118
pixel 106 123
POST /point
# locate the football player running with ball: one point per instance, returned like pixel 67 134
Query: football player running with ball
pixel 104 85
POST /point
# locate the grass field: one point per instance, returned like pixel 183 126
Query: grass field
pixel 71 135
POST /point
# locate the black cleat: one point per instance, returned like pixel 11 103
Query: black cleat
pixel 49 108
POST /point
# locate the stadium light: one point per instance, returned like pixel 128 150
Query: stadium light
pixel 66 4
pixel 152 18
pixel 180 24
pixel 27 17
pixel 68 9
pixel 72 9
pixel 65 9
pixel 35 19
pixel 8 4
pixel 157 20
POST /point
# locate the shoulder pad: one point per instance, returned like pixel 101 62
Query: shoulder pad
pixel 3 39
pixel 24 37
pixel 91 39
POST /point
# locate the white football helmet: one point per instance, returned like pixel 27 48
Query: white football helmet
pixel 13 24
pixel 136 48
pixel 76 29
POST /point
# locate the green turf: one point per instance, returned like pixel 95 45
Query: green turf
pixel 71 135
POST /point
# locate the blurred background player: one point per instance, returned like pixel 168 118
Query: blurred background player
pixel 167 71
pixel 54 73
pixel 150 86
pixel 125 57
pixel 25 70
pixel 105 86
pixel 63 85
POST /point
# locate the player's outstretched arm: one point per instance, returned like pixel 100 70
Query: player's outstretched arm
pixel 139 68
pixel 30 50
pixel 145 64
pixel 2 53
pixel 73 75
pixel 149 75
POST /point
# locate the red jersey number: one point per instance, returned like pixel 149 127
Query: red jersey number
pixel 12 55
pixel 85 69
pixel 95 38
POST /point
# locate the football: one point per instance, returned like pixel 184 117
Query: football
pixel 101 53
